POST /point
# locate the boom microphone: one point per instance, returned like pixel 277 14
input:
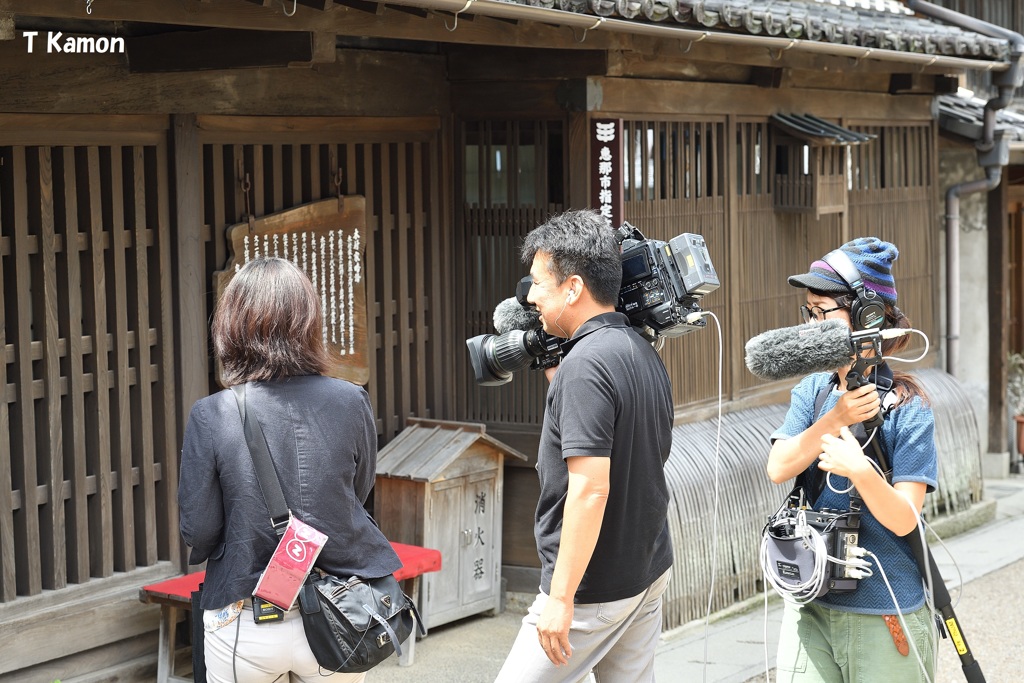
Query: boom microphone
pixel 511 315
pixel 800 350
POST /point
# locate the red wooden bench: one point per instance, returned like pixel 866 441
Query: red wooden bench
pixel 176 594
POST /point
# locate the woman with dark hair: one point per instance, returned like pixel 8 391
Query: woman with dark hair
pixel 322 437
pixel 882 630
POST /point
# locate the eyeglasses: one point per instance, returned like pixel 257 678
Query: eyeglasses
pixel 816 313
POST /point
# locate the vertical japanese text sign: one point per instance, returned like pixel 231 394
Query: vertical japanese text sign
pixel 326 239
pixel 606 168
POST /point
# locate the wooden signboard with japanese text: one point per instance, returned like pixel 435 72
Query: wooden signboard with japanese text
pixel 606 168
pixel 326 239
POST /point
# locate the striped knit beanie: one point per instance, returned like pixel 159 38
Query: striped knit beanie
pixel 873 259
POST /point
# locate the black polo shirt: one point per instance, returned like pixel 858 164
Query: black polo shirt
pixel 611 397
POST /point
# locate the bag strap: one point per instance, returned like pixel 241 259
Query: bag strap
pixel 266 475
pixel 813 482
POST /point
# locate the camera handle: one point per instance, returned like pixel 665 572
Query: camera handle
pixel 922 554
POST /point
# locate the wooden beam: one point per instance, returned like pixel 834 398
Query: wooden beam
pixel 6 26
pixel 313 124
pixel 360 83
pixel 613 96
pixel 216 49
pixel 325 50
pixel 475 63
pixel 532 98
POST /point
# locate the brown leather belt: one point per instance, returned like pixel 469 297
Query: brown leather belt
pixel 899 638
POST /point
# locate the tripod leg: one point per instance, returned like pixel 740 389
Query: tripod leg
pixel 940 595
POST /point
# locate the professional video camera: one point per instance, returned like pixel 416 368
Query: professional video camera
pixel 662 283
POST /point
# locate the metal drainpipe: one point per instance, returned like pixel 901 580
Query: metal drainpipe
pixel 993 154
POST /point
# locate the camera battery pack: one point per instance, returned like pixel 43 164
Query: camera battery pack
pixel 294 557
pixel 266 612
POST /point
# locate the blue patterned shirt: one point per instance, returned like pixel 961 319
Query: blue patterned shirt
pixel 908 440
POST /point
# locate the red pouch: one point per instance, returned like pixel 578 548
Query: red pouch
pixel 294 557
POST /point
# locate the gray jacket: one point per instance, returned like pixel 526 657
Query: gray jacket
pixel 323 441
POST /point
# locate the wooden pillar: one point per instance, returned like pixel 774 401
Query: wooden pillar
pixel 998 311
pixel 577 161
pixel 190 271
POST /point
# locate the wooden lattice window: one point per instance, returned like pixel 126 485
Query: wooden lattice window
pixel 88 434
pixel 672 160
pixel 511 178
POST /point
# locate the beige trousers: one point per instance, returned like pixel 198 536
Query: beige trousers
pixel 246 652
pixel 614 640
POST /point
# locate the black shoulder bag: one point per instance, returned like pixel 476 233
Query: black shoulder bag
pixel 351 624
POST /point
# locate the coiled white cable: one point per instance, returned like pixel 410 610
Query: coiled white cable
pixel 803 591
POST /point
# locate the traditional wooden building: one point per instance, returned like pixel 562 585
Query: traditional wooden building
pixel 134 133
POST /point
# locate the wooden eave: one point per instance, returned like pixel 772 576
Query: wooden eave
pixel 325 19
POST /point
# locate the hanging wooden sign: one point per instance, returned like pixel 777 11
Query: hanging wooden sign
pixel 606 168
pixel 326 239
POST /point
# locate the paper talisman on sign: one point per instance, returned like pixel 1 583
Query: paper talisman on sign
pixel 326 239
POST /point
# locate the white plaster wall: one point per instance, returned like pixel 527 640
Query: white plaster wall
pixel 959 164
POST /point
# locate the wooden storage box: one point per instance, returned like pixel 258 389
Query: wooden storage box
pixel 439 485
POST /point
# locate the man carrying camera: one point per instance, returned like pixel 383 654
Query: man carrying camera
pixel 601 528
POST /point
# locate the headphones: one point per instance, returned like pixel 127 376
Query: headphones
pixel 867 311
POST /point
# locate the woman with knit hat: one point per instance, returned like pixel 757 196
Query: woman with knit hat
pixel 867 634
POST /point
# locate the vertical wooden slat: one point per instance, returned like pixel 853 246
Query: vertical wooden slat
pixel 258 191
pixel 142 404
pixel 296 174
pixel 218 217
pixel 77 519
pixel 315 188
pixel 385 276
pixel 52 453
pixel 459 400
pixel 167 433
pixel 437 186
pixel 8 584
pixel 421 292
pixel 29 575
pixel 404 297
pixel 730 246
pixel 277 176
pixel 375 307
pixel 124 508
pixel 244 204
pixel 101 527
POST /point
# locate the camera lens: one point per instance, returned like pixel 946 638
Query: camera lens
pixel 508 351
pixel 496 357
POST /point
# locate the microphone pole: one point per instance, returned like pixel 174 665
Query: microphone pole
pixel 922 554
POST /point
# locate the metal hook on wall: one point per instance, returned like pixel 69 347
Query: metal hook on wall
pixel 690 44
pixel 245 184
pixel 295 7
pixel 456 24
pixel 600 20
pixel 858 60
pixel 337 187
pixel 776 56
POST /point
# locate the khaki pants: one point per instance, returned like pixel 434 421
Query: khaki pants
pixel 246 652
pixel 822 645
pixel 616 640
